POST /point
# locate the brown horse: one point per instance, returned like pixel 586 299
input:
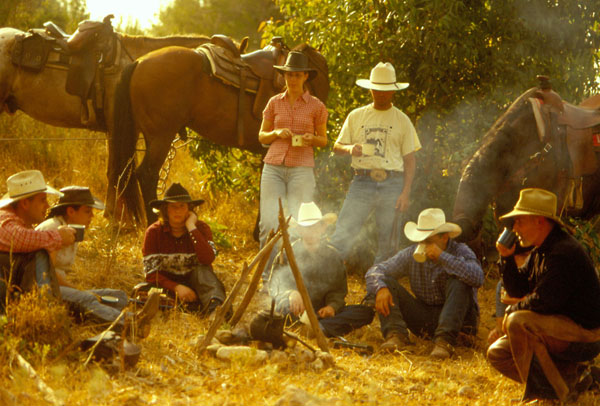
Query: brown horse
pixel 42 95
pixel 520 151
pixel 171 89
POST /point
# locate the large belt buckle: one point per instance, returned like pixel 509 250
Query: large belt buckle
pixel 378 175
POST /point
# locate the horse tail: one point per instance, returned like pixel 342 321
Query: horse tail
pixel 121 162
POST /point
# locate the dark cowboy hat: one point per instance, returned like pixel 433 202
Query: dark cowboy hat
pixel 76 196
pixel 297 62
pixel 175 193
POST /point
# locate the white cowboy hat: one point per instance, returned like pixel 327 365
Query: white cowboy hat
pixel 431 222
pixel 535 202
pixel 310 214
pixel 383 77
pixel 25 184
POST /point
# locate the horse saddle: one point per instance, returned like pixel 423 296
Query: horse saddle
pixel 579 123
pixel 252 72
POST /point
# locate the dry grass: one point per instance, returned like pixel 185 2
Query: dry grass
pixel 170 371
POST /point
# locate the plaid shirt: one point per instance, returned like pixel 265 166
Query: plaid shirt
pixel 15 236
pixel 428 279
pixel 307 113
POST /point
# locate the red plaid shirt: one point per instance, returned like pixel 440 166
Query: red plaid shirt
pixel 307 113
pixel 16 236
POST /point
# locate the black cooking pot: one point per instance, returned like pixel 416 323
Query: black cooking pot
pixel 268 326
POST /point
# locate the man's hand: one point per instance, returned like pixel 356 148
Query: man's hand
pixel 326 311
pixel 356 150
pixel 403 202
pixel 383 301
pixel 190 222
pixel 505 252
pixel 185 294
pixel 67 235
pixel 433 252
pixel 296 303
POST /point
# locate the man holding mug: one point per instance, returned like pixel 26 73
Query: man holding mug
pixel 444 276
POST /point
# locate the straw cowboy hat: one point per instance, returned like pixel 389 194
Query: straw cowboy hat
pixel 431 222
pixel 76 196
pixel 310 214
pixel 535 202
pixel 176 194
pixel 296 62
pixel 383 77
pixel 25 184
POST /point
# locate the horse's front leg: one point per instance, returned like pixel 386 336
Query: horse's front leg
pixel 157 149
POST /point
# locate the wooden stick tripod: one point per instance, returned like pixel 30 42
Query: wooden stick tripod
pixel 262 258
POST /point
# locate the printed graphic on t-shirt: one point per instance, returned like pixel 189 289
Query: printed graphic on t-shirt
pixel 377 136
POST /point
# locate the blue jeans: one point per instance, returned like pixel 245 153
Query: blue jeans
pixel 364 196
pixel 27 271
pixel 458 313
pixel 294 185
pixel 86 303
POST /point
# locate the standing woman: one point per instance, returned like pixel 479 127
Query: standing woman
pixel 179 250
pixel 293 123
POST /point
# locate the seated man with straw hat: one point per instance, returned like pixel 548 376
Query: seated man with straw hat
pixel 24 261
pixel 75 209
pixel 556 325
pixel 444 276
pixel 323 273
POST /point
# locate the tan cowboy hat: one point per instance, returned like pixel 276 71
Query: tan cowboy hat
pixel 431 222
pixel 535 202
pixel 383 77
pixel 25 184
pixel 175 194
pixel 297 62
pixel 76 196
pixel 310 214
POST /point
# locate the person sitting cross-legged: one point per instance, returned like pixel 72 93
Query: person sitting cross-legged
pixel 179 250
pixel 323 273
pixel 75 208
pixel 444 276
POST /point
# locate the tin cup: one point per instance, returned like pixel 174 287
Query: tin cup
pixel 297 140
pixel 79 229
pixel 419 254
pixel 368 149
pixel 507 238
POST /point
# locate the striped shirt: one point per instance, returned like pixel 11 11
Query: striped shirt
pixel 303 117
pixel 16 236
pixel 428 279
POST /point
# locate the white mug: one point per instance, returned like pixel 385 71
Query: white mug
pixel 297 140
pixel 419 254
pixel 368 149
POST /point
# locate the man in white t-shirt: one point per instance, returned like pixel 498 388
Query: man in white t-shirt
pixel 382 141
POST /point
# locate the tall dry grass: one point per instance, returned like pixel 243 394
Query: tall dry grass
pixel 170 371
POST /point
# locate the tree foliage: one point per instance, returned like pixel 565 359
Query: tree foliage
pixel 26 14
pixel 236 18
pixel 465 61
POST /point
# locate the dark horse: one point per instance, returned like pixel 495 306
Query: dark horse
pixel 168 90
pixel 540 141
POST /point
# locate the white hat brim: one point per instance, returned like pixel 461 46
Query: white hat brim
pixel 6 200
pixel 328 219
pixel 412 232
pixel 386 87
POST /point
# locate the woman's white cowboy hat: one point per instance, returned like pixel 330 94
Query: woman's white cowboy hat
pixel 383 77
pixel 431 222
pixel 310 214
pixel 25 184
pixel 535 202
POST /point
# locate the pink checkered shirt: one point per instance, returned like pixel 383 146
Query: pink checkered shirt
pixel 307 113
pixel 16 236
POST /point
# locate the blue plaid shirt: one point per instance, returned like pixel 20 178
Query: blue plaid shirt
pixel 428 279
